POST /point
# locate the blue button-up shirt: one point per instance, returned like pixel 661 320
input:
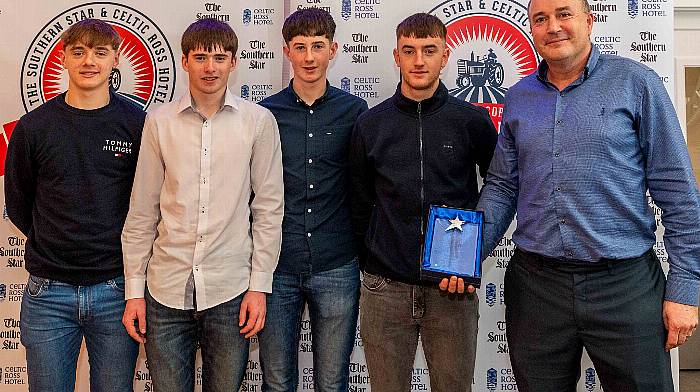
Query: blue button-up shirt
pixel 576 164
pixel 316 230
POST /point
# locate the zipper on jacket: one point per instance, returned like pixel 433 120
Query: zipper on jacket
pixel 422 172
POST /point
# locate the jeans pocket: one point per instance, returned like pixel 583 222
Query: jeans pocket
pixel 117 284
pixel 373 282
pixel 35 285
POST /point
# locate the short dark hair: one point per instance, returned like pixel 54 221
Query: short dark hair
pixel 91 32
pixel 584 5
pixel 208 34
pixel 421 25
pixel 309 22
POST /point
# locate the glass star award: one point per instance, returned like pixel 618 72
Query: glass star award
pixel 453 240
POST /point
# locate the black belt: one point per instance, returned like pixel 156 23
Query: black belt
pixel 572 265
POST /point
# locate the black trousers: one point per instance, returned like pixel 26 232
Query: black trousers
pixel 613 308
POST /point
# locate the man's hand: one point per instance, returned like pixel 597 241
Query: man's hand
pixel 134 319
pixel 252 315
pixel 680 321
pixel 455 285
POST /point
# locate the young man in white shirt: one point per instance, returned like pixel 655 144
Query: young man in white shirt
pixel 208 266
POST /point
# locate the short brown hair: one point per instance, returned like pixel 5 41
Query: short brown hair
pixel 91 32
pixel 421 25
pixel 309 22
pixel 208 34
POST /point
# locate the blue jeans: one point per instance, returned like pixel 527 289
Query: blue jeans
pixel 333 298
pixel 54 319
pixel 172 339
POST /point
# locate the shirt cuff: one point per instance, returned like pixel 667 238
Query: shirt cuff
pixel 260 281
pixel 681 290
pixel 134 288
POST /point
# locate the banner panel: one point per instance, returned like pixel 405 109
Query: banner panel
pixel 491 49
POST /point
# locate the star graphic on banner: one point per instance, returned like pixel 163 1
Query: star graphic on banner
pixel 455 223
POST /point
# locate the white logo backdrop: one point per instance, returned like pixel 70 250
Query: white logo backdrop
pixel 489 34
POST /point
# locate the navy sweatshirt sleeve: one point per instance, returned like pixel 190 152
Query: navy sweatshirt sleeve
pixel 20 179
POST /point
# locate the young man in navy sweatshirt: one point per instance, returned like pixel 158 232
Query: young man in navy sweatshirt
pixel 68 191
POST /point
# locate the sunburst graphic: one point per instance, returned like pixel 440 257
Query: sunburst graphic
pixel 55 77
pixel 488 55
pixel 134 78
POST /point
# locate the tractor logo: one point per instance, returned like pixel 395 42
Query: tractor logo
pixel 478 72
pixel 489 51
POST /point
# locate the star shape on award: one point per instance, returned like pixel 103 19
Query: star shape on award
pixel 455 223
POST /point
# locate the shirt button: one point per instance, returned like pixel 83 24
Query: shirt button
pixel 556 155
pixel 308 210
pixel 308 234
pixel 311 161
pixel 570 254
pixel 562 221
pixel 311 135
pixel 196 268
pixel 558 189
pixel 311 186
pixel 558 121
pixel 561 94
pixel 311 111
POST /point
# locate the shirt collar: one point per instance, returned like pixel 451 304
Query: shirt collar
pixel 587 70
pixel 439 97
pixel 186 101
pixel 293 94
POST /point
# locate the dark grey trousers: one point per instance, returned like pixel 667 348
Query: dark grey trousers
pixel 394 314
pixel 612 308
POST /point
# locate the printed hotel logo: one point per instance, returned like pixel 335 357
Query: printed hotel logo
pixel 491 294
pixel 346 9
pixel 490 50
pixel 247 17
pixel 491 379
pixel 590 380
pixel 146 71
pixel 633 8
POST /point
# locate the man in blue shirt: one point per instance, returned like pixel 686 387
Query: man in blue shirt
pixel 318 264
pixel 582 141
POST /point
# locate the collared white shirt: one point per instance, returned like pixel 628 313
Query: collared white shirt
pixel 191 204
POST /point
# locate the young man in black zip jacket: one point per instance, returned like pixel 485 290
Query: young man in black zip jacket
pixel 417 148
